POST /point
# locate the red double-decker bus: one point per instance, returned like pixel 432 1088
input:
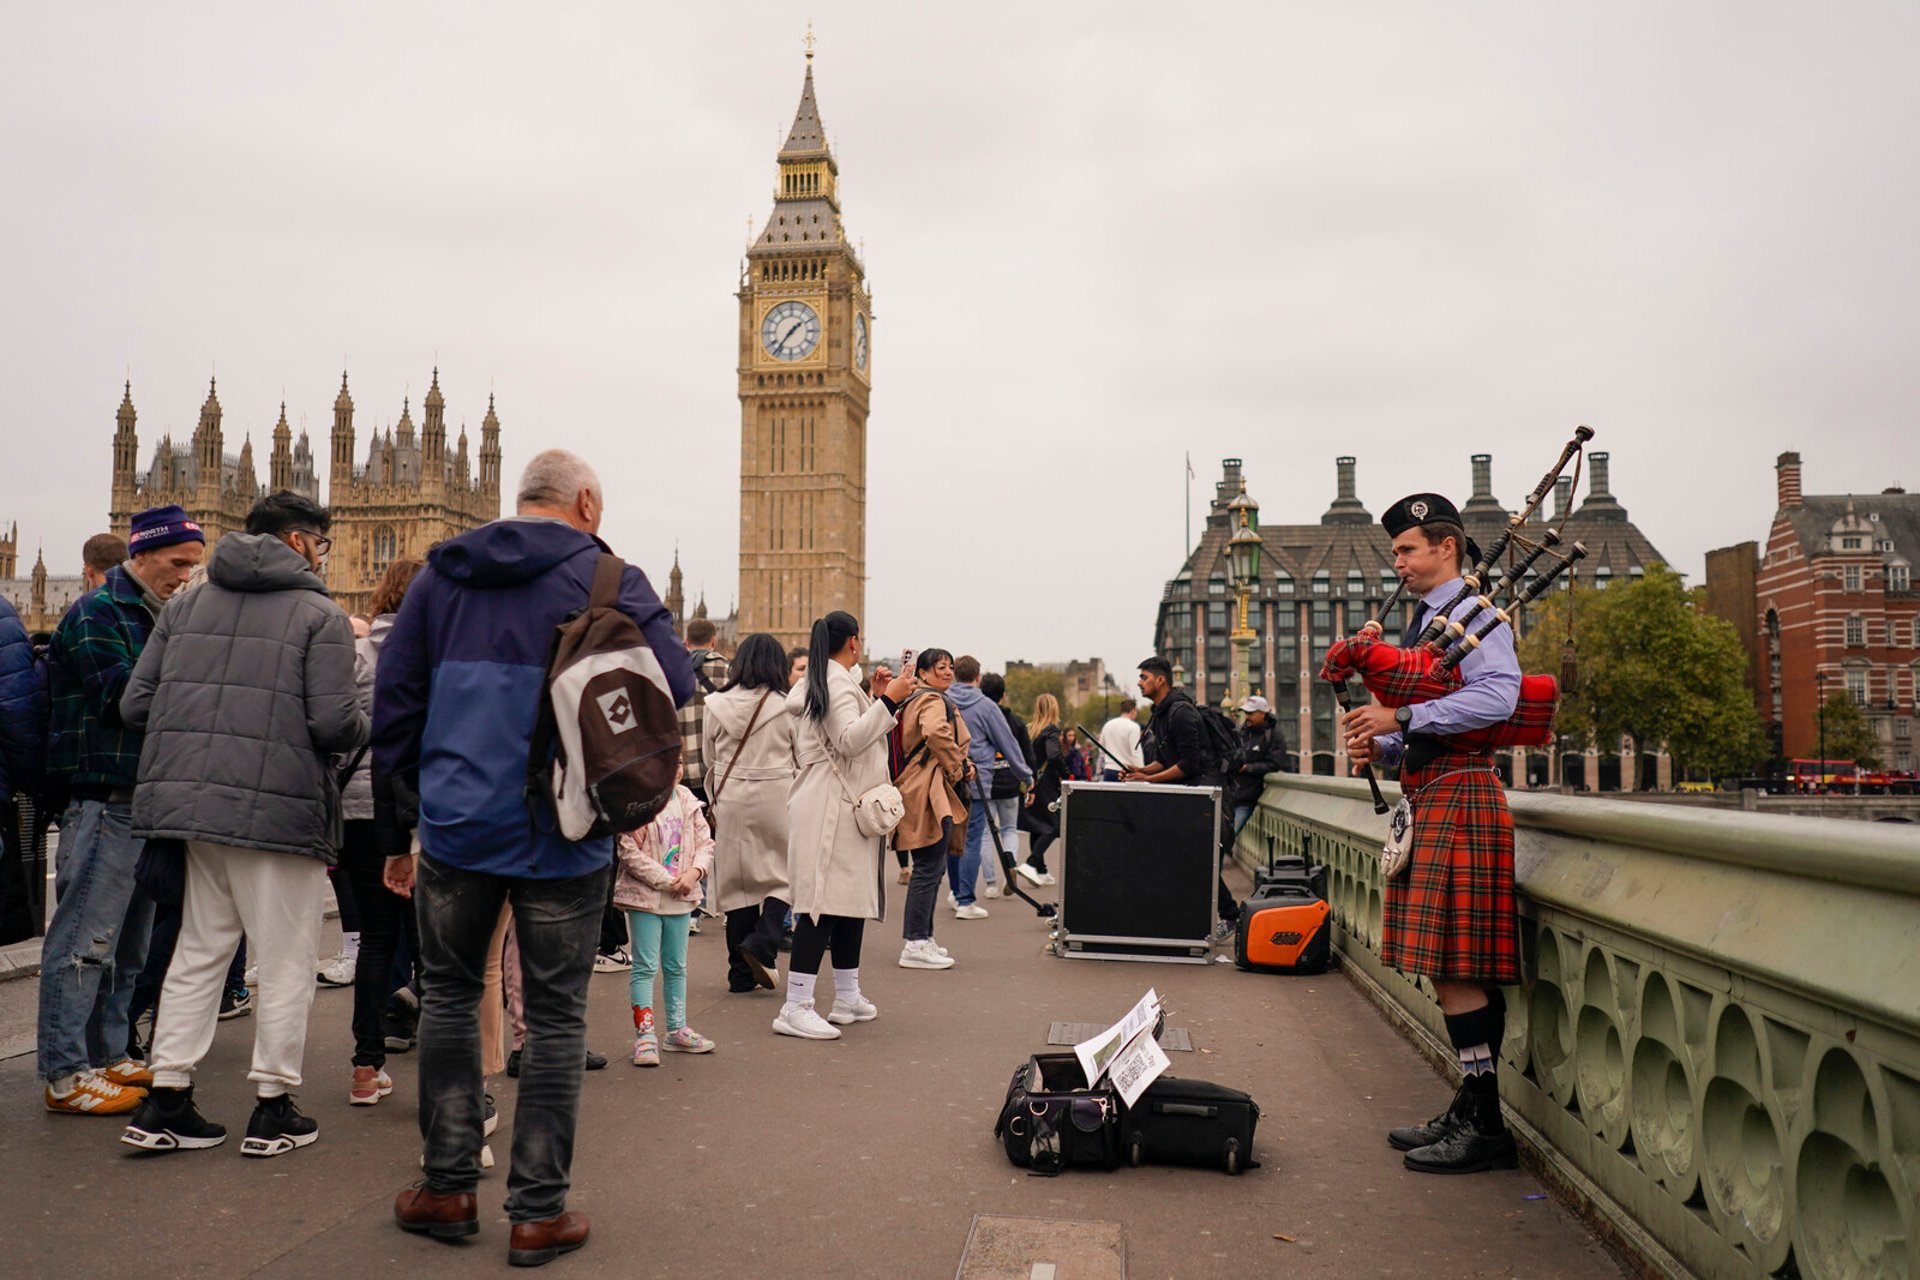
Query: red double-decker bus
pixel 1835 776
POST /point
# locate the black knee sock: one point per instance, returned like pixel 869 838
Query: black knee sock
pixel 1476 1037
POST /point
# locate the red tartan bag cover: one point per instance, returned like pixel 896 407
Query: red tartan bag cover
pixel 1397 677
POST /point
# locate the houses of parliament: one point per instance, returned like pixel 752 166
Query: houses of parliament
pixel 804 377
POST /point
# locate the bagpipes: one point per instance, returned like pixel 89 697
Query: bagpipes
pixel 1429 668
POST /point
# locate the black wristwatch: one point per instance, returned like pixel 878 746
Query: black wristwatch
pixel 1404 717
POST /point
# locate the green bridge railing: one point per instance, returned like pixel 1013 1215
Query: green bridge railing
pixel 1716 1043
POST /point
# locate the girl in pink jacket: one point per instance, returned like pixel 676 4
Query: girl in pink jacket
pixel 661 867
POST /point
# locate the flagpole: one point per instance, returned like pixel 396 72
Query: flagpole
pixel 1186 540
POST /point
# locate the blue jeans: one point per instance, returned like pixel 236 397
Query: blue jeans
pixel 660 947
pixel 96 942
pixel 557 925
pixel 1006 817
pixel 963 870
pixel 1242 812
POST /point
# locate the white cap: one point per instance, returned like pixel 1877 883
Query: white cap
pixel 1255 703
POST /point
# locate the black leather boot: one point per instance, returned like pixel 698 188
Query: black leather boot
pixel 1416 1136
pixel 1479 1141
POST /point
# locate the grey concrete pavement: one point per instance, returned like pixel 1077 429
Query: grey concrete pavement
pixel 869 1156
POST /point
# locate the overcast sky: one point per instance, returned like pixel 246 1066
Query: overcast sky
pixel 1101 237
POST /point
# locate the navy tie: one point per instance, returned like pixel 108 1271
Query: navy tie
pixel 1416 627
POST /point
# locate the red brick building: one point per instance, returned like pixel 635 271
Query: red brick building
pixel 1832 598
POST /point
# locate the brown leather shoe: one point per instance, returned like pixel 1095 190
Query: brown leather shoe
pixel 534 1244
pixel 444 1217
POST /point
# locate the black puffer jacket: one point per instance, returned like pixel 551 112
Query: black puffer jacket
pixel 245 690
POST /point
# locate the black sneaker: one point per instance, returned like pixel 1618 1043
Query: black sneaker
pixel 513 1065
pixel 235 1002
pixel 595 1061
pixel 492 1118
pixel 168 1121
pixel 402 1021
pixel 277 1127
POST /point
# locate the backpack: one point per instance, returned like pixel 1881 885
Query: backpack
pixel 1218 737
pixel 897 757
pixel 606 744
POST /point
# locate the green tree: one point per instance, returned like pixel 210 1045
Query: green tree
pixel 1849 735
pixel 1655 666
pixel 1024 684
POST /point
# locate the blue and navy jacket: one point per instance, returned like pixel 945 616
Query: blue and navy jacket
pixel 22 707
pixel 459 685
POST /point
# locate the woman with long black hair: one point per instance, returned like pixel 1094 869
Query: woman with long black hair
pixel 747 742
pixel 840 743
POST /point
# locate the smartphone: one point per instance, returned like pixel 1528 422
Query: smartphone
pixel 906 661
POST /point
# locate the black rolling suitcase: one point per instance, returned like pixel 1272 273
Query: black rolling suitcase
pixel 1052 1121
pixel 1191 1122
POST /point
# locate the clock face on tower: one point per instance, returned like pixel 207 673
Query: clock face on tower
pixel 791 331
pixel 859 342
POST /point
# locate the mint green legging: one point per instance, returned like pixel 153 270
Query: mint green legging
pixel 660 946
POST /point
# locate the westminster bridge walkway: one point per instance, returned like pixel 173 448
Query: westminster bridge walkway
pixel 1715 1071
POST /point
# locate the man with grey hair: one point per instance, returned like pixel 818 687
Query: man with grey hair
pixel 456 695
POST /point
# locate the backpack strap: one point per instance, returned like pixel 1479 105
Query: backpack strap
pixel 607 572
pixel 699 658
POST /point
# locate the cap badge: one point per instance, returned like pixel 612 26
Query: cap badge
pixel 1419 510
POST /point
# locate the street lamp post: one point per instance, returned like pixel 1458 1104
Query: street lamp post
pixel 1243 557
pixel 1820 683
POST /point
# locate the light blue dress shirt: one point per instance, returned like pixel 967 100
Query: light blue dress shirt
pixel 1490 676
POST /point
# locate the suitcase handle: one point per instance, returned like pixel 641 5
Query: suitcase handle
pixel 1185 1109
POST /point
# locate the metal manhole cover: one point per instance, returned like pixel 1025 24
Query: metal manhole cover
pixel 1043 1249
pixel 1172 1039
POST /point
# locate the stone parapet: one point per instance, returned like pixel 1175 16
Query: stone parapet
pixel 1718 1025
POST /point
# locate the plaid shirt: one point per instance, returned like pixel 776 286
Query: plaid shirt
pixel 710 675
pixel 91 658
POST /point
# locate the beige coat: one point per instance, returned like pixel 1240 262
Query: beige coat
pixel 834 870
pixel 927 785
pixel 750 811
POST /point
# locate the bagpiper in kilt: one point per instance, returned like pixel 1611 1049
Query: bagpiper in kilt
pixel 1452 919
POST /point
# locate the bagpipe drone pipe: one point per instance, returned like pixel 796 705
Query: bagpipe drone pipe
pixel 1397 677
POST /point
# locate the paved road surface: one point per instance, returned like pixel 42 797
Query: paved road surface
pixel 869 1156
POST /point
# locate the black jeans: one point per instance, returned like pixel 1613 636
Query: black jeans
pixel 763 925
pixel 384 918
pixel 923 891
pixel 556 923
pixel 812 936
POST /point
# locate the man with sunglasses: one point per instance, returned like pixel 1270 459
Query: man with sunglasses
pixel 246 692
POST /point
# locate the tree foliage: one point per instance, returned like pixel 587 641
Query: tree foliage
pixel 1027 683
pixel 1653 666
pixel 1849 734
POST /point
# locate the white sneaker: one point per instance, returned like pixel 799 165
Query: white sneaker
pixel 921 954
pixel 338 972
pixel 858 1009
pixel 799 1019
pixel 614 961
pixel 1030 874
pixel 972 911
pixel 1047 877
pixel 951 900
pixel 991 889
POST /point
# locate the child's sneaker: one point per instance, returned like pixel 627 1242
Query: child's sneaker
pixel 687 1040
pixel 646 1050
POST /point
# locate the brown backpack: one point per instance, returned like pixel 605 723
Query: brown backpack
pixel 606 745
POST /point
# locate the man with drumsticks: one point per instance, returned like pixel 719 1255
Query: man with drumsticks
pixel 1452 918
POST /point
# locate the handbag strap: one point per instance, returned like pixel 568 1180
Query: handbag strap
pixel 341 778
pixel 758 707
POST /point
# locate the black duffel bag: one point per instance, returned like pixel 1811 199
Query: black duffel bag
pixel 1191 1122
pixel 1050 1121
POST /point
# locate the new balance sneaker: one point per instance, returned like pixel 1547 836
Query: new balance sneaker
pixel 972 911
pixel 88 1093
pixel 338 972
pixel 370 1084
pixel 129 1074
pixel 797 1018
pixel 168 1121
pixel 686 1040
pixel 277 1127
pixel 845 1012
pixel 922 954
pixel 614 961
pixel 646 1049
pixel 235 1002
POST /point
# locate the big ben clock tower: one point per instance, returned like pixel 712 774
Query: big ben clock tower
pixel 806 333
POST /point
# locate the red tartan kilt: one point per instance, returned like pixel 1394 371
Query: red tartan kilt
pixel 1454 914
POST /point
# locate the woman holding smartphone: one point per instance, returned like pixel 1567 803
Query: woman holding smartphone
pixel 933 776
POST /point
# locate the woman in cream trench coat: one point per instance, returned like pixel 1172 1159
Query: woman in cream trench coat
pixel 747 739
pixel 840 741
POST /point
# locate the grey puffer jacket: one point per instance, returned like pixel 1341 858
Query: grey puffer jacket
pixel 245 689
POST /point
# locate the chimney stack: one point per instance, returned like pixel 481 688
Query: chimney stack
pixel 1227 488
pixel 1563 497
pixel 1597 486
pixel 1347 507
pixel 1600 503
pixel 1786 471
pixel 1483 504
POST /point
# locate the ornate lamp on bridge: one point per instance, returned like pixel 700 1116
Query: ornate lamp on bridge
pixel 1243 559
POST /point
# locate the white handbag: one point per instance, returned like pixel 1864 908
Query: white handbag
pixel 877 810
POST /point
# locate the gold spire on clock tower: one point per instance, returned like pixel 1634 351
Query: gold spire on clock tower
pixel 806 327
